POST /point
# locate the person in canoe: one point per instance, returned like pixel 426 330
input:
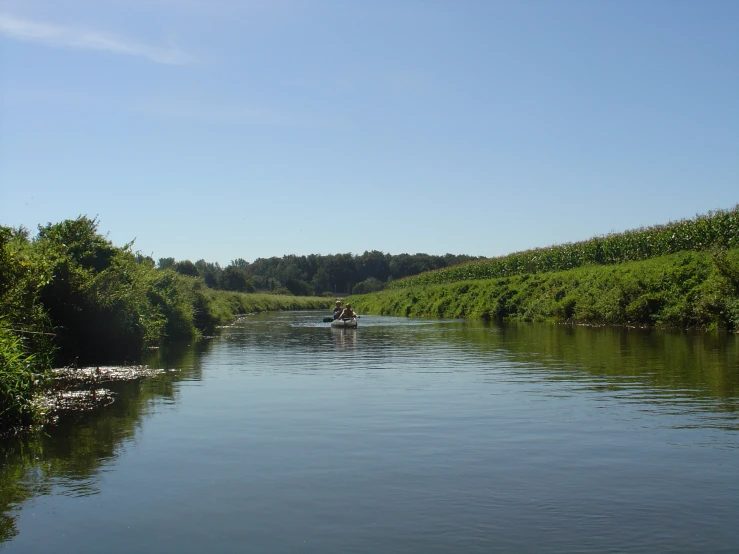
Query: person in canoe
pixel 347 313
pixel 338 309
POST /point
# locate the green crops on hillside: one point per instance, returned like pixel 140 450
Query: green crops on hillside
pixel 684 290
pixel 718 229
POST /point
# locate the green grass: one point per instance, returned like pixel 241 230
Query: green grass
pixel 683 290
pixel 220 307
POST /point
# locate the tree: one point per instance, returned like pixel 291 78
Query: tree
pixel 236 279
pixel 209 272
pixel 299 287
pixel 165 263
pixel 186 267
pixel 373 264
pixel 369 285
pixel 146 260
pixel 320 281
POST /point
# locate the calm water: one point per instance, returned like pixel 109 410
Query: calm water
pixel 283 435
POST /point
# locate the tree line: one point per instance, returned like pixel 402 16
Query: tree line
pixel 313 274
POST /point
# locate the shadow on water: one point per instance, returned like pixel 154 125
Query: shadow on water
pixel 656 366
pixel 68 458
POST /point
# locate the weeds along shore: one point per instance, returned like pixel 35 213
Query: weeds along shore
pixel 28 380
pixel 69 295
pixel 686 290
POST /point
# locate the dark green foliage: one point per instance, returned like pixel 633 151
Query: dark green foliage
pixel 321 274
pixel 209 273
pixel 94 293
pixel 166 263
pixel 145 260
pixel 236 279
pixel 186 267
pixel 369 285
pixel 718 229
pixel 70 296
pixel 311 274
pixel 298 287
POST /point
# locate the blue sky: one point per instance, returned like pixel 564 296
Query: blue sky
pixel 221 129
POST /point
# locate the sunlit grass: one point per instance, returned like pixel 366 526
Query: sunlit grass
pixel 718 229
pixel 683 290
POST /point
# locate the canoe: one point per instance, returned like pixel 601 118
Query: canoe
pixel 345 323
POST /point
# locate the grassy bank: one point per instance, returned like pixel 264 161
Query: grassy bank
pixel 683 290
pixel 223 306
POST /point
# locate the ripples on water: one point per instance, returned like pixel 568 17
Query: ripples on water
pixel 283 434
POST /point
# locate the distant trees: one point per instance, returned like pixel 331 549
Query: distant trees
pixel 209 272
pixel 186 267
pixel 313 274
pixel 235 278
pixel 369 285
pixel 165 263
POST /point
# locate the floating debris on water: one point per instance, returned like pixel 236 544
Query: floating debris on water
pixel 77 388
pixel 73 400
pixel 99 374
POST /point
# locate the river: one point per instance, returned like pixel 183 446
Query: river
pixel 284 435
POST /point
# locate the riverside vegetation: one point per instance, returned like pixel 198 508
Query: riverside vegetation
pixel 69 295
pixel 684 275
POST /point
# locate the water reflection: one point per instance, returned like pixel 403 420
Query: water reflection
pixel 661 364
pixel 67 458
pixel 396 381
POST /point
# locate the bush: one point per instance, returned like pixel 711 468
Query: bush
pixel 369 285
pixel 299 287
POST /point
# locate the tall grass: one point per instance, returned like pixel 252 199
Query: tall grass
pixel 21 373
pixel 719 229
pixel 217 307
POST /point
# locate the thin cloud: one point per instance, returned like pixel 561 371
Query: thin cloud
pixel 87 39
pixel 223 114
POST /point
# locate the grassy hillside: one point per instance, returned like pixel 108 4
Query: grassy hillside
pixel 683 290
pixel 715 230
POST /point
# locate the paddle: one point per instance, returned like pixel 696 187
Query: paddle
pixel 330 319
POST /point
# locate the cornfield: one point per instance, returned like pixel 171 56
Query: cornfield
pixel 719 229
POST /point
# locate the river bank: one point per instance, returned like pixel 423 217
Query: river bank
pixel 32 393
pixel 687 290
